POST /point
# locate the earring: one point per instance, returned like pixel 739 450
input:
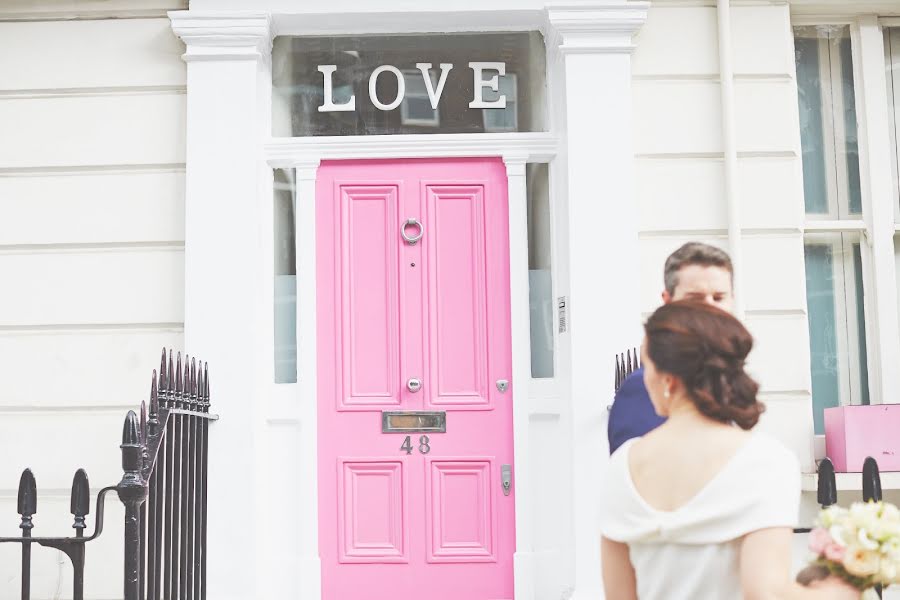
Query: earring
pixel 666 393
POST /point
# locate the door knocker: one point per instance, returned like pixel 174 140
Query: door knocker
pixel 411 240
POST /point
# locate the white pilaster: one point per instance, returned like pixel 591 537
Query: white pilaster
pixel 521 372
pixel 310 573
pixel 227 56
pixel 595 43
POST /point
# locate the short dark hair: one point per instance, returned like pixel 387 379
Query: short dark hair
pixel 694 253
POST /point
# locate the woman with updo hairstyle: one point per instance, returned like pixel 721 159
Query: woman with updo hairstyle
pixel 702 508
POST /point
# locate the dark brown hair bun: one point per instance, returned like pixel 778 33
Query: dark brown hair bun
pixel 705 347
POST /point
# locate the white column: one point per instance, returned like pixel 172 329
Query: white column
pixel 224 314
pixel 604 308
pixel 521 373
pixel 875 167
pixel 310 572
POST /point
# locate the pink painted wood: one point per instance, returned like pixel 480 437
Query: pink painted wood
pixel 435 522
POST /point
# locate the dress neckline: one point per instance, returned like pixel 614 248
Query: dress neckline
pixel 698 494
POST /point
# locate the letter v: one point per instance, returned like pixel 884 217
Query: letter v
pixel 434 95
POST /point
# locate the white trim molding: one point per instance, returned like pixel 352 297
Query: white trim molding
pixel 597 28
pixel 535 147
pixel 223 36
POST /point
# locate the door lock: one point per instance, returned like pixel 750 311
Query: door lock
pixel 502 385
pixel 506 478
pixel 414 384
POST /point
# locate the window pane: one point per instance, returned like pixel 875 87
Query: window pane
pixel 539 271
pixel 828 132
pixel 837 345
pixel 299 85
pixel 285 340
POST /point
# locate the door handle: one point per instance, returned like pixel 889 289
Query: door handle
pixel 414 384
pixel 506 478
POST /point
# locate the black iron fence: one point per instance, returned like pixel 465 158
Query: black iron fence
pixel 626 363
pixel 165 457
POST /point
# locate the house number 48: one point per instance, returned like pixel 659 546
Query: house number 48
pixel 424 446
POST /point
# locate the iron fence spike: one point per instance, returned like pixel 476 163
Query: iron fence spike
pixel 826 493
pixel 170 377
pixel 193 381
pixel 130 433
pixel 179 378
pixel 162 371
pixel 143 423
pixel 80 505
pixel 871 480
pixel 154 400
pixel 27 500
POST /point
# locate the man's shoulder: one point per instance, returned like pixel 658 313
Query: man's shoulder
pixel 634 383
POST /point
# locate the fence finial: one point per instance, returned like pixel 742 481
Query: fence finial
pixel 871 480
pixel 826 494
pixel 154 403
pixel 617 381
pixel 80 504
pixel 170 381
pixel 163 373
pixel 192 400
pixel 205 387
pixel 27 505
pixel 179 381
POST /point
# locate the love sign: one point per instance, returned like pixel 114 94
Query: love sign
pixel 479 69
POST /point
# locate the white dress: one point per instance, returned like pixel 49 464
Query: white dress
pixel 692 553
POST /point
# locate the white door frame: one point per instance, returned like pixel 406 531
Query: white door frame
pixel 268 430
pixel 516 149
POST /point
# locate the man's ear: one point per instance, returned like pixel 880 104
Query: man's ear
pixel 666 296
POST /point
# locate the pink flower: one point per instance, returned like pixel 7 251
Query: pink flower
pixel 819 540
pixel 835 552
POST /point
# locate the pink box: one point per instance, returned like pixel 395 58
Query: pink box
pixel 854 432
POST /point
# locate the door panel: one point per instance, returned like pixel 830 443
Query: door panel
pixel 369 296
pixel 460 512
pixel 373 523
pixel 414 514
pixel 457 295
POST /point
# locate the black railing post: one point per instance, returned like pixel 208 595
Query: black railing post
pixel 132 492
pixel 27 505
pixel 154 530
pixel 80 507
pixel 826 492
pixel 871 480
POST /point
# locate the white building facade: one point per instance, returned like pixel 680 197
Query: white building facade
pixel 163 168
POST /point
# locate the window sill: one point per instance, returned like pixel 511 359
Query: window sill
pixel 850 482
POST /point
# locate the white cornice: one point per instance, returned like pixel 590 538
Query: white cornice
pixel 223 36
pixel 288 152
pixel 596 28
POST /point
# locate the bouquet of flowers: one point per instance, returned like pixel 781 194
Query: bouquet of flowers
pixel 861 545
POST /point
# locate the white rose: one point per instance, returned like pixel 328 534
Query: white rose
pixel 866 541
pixel 861 562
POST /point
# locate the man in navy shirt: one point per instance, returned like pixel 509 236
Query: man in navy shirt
pixel 695 271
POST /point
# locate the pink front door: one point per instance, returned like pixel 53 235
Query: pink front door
pixel 419 327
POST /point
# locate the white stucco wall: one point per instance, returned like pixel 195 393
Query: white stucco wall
pixel 680 182
pixel 91 254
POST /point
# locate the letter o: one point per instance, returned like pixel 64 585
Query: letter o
pixel 401 87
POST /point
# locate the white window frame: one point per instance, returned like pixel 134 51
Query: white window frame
pixel 847 331
pixel 876 226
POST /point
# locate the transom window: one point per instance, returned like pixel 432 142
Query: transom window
pixel 402 84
